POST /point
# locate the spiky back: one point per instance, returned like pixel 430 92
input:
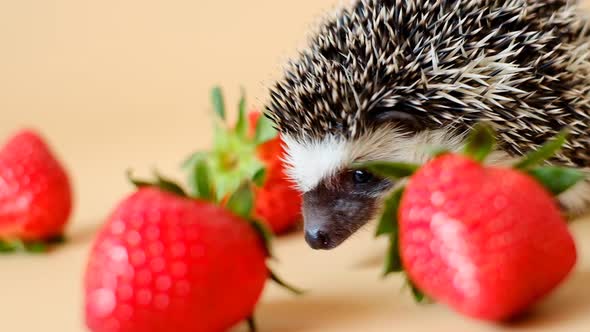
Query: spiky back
pixel 520 64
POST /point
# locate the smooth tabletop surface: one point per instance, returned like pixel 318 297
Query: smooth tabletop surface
pixel 114 85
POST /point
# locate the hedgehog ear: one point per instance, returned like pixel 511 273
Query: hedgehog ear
pixel 384 115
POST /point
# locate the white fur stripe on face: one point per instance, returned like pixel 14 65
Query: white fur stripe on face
pixel 311 161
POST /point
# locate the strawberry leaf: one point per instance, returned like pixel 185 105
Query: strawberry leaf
pixel 168 185
pixel 241 202
pixel 33 247
pixel 251 324
pixel 161 183
pixel 264 130
pixel 242 124
pixel 259 177
pixel 546 151
pixel 189 162
pixel 218 104
pixel 7 247
pixel 416 292
pixel 137 182
pixel 388 224
pixel 394 170
pixel 480 142
pixel 265 235
pixel 36 247
pixel 274 277
pixel 200 182
pixel 221 138
pixel 557 179
pixel 388 221
pixel 393 260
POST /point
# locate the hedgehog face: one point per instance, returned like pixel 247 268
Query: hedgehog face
pixel 338 200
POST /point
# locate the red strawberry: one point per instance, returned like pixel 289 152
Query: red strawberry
pixel 487 241
pixel 277 203
pixel 251 150
pixel 35 192
pixel 166 262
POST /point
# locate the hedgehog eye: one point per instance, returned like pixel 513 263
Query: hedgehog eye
pixel 361 176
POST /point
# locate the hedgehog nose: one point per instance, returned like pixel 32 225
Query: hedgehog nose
pixel 317 239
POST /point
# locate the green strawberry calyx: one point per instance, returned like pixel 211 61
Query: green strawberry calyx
pixel 232 168
pixel 479 144
pixel 556 179
pixel 160 182
pixel 9 246
pixel 233 158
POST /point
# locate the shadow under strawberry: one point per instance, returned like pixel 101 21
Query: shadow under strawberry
pixel 570 303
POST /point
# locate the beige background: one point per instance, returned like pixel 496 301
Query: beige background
pixel 118 84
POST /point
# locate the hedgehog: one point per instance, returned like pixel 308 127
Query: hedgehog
pixel 386 79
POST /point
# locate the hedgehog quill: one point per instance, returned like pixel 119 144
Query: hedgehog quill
pixel 387 80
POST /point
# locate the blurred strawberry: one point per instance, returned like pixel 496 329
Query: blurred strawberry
pixel 487 241
pixel 251 150
pixel 35 194
pixel 167 262
pixel 277 203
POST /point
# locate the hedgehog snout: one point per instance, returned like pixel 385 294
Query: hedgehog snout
pixel 333 213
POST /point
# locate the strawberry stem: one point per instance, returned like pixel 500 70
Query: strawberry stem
pixel 229 161
pixel 480 142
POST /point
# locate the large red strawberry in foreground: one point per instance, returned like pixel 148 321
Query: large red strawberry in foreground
pixel 487 241
pixel 164 261
pixel 251 149
pixel 35 193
